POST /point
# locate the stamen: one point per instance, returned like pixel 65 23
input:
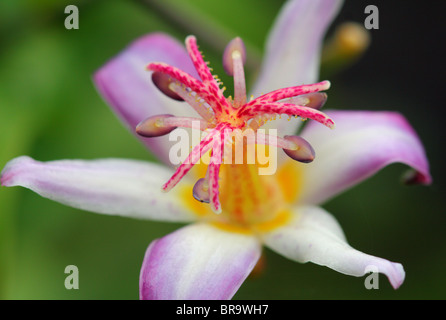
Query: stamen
pixel 303 152
pixel 206 76
pixel 180 76
pixel 193 100
pixel 201 190
pixel 155 126
pixel 160 125
pixel 197 60
pixel 214 170
pixel 215 99
pixel 285 108
pixel 197 152
pixel 259 121
pixel 190 161
pixel 275 141
pixel 239 80
pixel 235 44
pixel 291 92
pixel 162 81
pixel 315 100
pixel 186 122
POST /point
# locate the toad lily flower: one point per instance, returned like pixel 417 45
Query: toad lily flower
pixel 211 257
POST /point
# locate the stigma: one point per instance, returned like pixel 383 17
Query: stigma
pixel 224 120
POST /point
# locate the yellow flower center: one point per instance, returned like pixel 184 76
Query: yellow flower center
pixel 251 202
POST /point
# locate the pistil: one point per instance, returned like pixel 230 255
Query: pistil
pixel 222 116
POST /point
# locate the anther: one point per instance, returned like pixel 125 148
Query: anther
pixel 162 82
pixel 154 126
pixel 201 190
pixel 235 45
pixel 315 100
pixel 302 152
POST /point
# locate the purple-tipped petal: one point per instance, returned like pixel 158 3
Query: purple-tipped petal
pixel 294 44
pixel 126 85
pixel 197 262
pixel 110 186
pixel 313 235
pixel 293 49
pixel 362 143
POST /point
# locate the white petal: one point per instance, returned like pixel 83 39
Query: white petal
pixel 293 50
pixel 294 44
pixel 313 235
pixel 197 262
pixel 109 186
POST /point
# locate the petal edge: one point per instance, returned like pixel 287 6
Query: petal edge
pixel 197 262
pixel 110 186
pixel 362 143
pixel 315 236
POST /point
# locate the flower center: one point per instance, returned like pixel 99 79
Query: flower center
pixel 250 202
pixel 249 197
pixel 246 196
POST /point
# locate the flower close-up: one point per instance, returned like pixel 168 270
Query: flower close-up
pixel 232 204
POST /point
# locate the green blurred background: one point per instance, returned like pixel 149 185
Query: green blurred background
pixel 50 110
